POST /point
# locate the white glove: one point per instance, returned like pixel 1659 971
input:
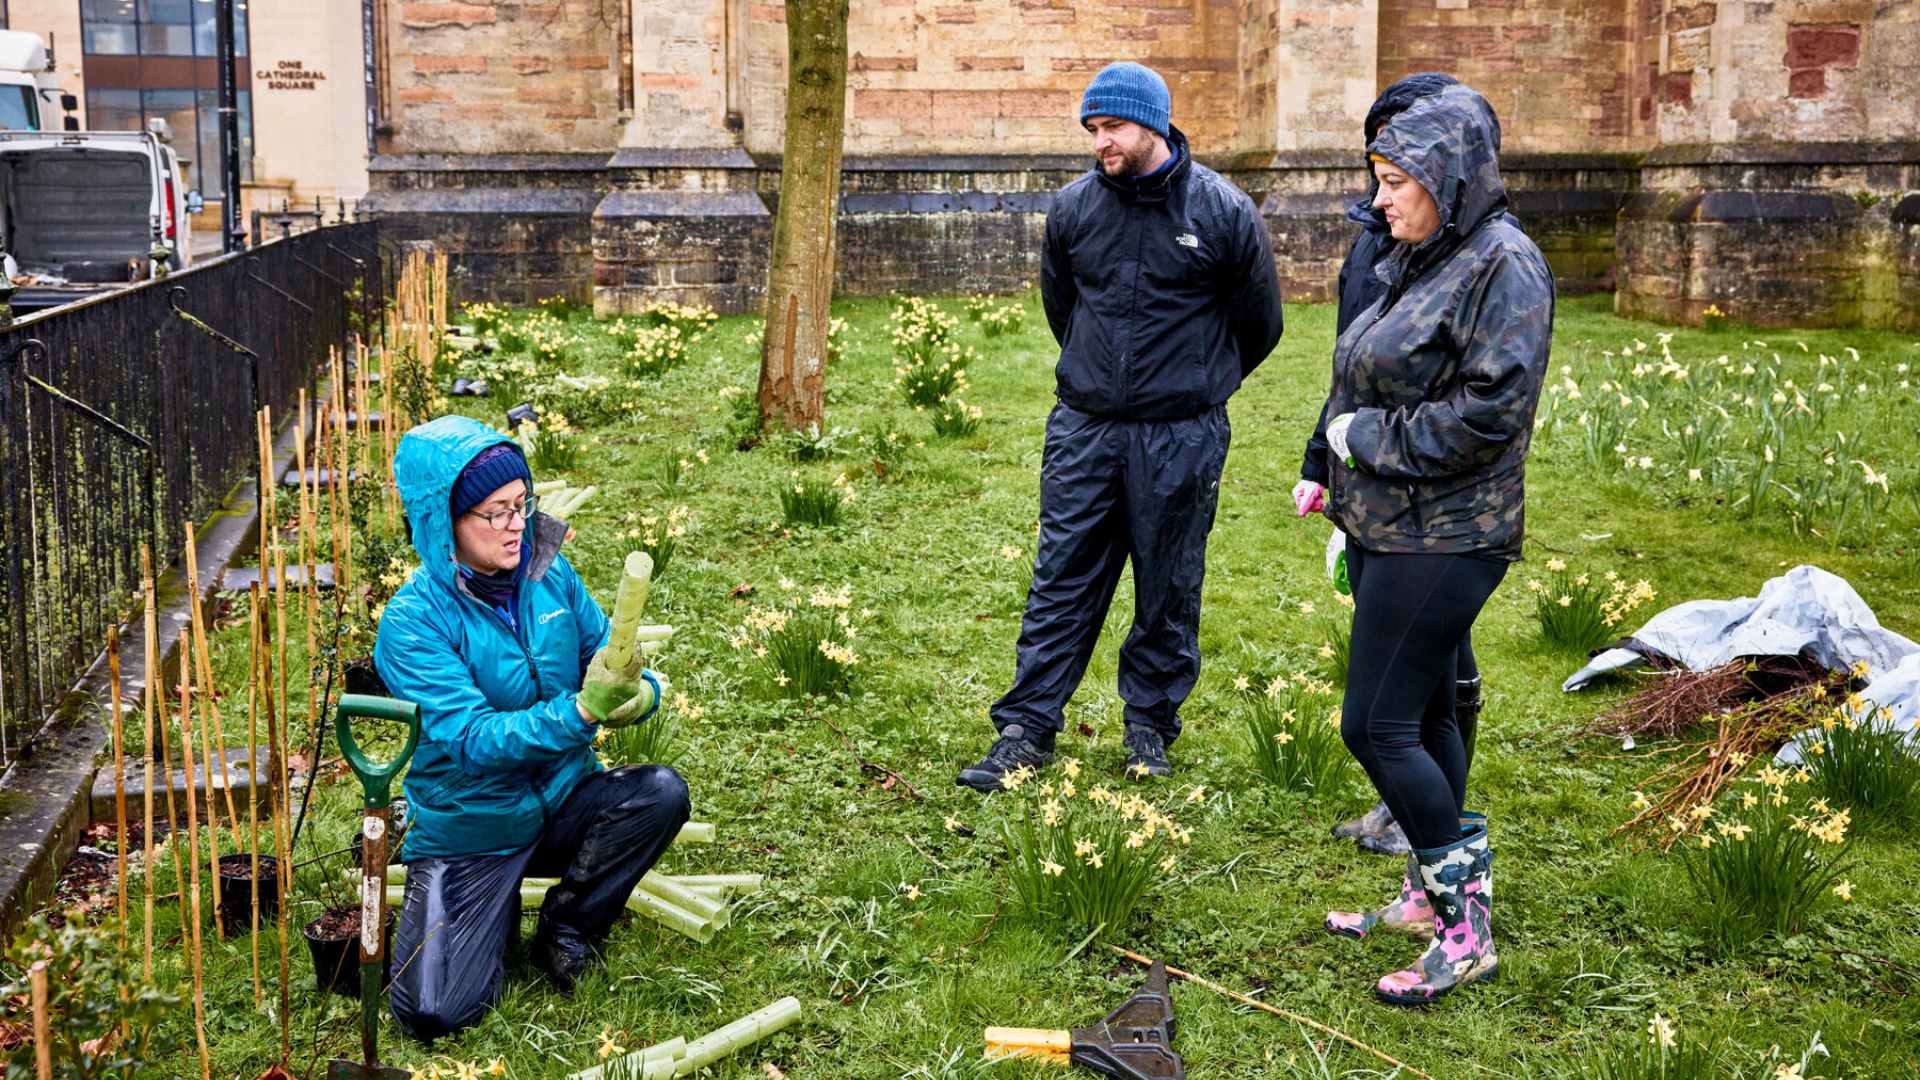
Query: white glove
pixel 1337 437
pixel 1337 562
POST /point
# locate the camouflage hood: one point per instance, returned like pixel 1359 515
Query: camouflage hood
pixel 1450 142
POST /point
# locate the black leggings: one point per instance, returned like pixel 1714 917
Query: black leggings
pixel 1410 614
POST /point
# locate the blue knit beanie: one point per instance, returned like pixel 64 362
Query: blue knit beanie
pixel 1129 91
pixel 489 471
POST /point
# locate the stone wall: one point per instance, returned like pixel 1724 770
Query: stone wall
pixel 1788 139
pixel 517 227
pixel 497 77
pixel 1730 131
pixel 1785 234
pixel 1553 69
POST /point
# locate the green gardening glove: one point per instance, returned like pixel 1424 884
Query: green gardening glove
pixel 603 700
pixel 639 690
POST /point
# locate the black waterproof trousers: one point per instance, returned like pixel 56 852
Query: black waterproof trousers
pixel 1115 490
pixel 449 952
pixel 1409 615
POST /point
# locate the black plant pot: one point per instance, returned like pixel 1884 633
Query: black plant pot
pixel 336 959
pixel 236 892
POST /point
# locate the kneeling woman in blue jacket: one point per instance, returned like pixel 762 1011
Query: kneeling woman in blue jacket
pixel 497 640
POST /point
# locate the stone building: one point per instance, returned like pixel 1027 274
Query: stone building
pixel 1762 155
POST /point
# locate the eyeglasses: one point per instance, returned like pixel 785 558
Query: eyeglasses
pixel 500 518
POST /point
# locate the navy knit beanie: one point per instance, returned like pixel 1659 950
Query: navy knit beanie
pixel 1129 91
pixel 489 471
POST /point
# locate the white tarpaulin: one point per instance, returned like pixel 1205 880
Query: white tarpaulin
pixel 1805 612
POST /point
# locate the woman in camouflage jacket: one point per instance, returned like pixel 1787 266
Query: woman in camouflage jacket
pixel 1428 422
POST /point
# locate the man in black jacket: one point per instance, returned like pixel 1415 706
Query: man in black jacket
pixel 1159 284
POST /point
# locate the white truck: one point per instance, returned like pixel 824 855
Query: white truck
pixel 85 212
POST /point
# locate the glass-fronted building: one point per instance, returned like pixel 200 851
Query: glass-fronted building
pixel 158 58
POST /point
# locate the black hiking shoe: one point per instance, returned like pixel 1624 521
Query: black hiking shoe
pixel 1011 752
pixel 563 956
pixel 1146 753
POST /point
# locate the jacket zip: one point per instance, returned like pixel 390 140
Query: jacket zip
pixel 516 632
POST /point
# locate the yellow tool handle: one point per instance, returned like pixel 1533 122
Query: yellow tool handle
pixel 1041 1044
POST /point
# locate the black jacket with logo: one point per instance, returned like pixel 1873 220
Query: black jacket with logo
pixel 1162 293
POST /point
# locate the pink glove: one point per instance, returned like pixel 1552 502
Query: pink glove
pixel 1309 498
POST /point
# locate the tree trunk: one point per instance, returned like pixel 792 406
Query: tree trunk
pixel 800 284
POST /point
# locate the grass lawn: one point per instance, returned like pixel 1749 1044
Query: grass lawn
pixel 890 916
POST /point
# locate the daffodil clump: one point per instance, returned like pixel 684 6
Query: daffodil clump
pixel 542 336
pixel 507 374
pixel 1768 429
pixel 655 350
pixel 1080 851
pixel 955 419
pixel 1862 758
pixel 395 574
pixel 995 319
pixel 928 368
pixel 1580 614
pixel 658 537
pixel 553 446
pixel 1657 1054
pixel 691 319
pixel 448 1068
pixel 1764 860
pixel 484 318
pixel 808 501
pixel 1337 649
pixel 1292 728
pixel 654 742
pixel 804 645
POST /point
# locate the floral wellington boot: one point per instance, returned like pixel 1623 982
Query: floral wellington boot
pixel 1459 884
pixel 1409 913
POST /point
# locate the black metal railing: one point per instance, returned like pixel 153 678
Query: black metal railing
pixel 125 417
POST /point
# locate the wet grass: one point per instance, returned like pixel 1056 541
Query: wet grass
pixel 1595 932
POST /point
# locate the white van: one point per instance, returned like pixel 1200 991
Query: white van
pixel 83 212
pixel 27 77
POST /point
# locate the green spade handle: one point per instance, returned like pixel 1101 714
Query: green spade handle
pixel 376 781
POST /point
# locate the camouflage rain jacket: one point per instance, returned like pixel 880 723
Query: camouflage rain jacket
pixel 1443 372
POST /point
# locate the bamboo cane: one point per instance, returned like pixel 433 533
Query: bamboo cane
pixel 276 767
pixel 361 394
pixel 339 491
pixel 173 810
pixel 151 679
pixel 253 770
pixel 278 809
pixel 389 433
pixel 1295 1017
pixel 42 1036
pixel 205 667
pixel 192 940
pixel 119 779
pixel 309 595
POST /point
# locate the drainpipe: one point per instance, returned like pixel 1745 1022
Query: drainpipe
pixel 624 58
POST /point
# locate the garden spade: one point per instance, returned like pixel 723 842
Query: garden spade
pixel 376 784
